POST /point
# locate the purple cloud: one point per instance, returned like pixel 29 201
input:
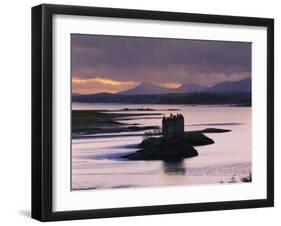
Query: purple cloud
pixel 159 60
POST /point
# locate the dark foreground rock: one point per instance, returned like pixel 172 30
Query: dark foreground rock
pixel 156 148
pixel 197 138
pixel 170 152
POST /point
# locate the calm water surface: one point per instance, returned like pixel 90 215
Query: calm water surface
pixel 96 163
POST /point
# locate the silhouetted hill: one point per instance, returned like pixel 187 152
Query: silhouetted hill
pixel 236 98
pixel 237 93
pixel 146 88
pixel 226 86
pixel 236 86
pixel 189 88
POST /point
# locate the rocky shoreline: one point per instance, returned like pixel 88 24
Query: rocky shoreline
pixel 90 122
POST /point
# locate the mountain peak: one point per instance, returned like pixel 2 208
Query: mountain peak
pixel 190 87
pixel 145 88
pixel 146 84
pixel 244 85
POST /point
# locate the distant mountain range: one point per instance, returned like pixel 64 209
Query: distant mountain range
pixel 233 93
pixel 226 86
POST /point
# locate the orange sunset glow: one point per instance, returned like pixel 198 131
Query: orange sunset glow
pixel 99 84
pixel 103 81
pixel 171 85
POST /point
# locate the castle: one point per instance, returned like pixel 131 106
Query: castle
pixel 173 127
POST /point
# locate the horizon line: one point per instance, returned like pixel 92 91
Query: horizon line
pixel 180 84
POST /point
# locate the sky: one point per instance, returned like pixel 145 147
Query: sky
pixel 112 64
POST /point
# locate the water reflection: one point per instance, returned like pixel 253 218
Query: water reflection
pixel 174 167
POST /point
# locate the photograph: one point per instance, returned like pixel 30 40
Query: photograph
pixel 154 112
pixel 140 112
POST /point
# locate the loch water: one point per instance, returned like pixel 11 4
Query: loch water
pixel 96 162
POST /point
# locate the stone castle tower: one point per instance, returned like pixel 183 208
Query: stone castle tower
pixel 173 127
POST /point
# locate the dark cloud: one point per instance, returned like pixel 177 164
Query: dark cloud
pixel 158 59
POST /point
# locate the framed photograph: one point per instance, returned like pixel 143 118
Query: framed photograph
pixel 145 112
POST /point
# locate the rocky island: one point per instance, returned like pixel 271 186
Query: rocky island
pixel 174 143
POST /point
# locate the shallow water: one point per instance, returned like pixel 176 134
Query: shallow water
pixel 96 162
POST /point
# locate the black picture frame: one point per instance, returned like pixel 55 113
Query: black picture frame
pixel 42 95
